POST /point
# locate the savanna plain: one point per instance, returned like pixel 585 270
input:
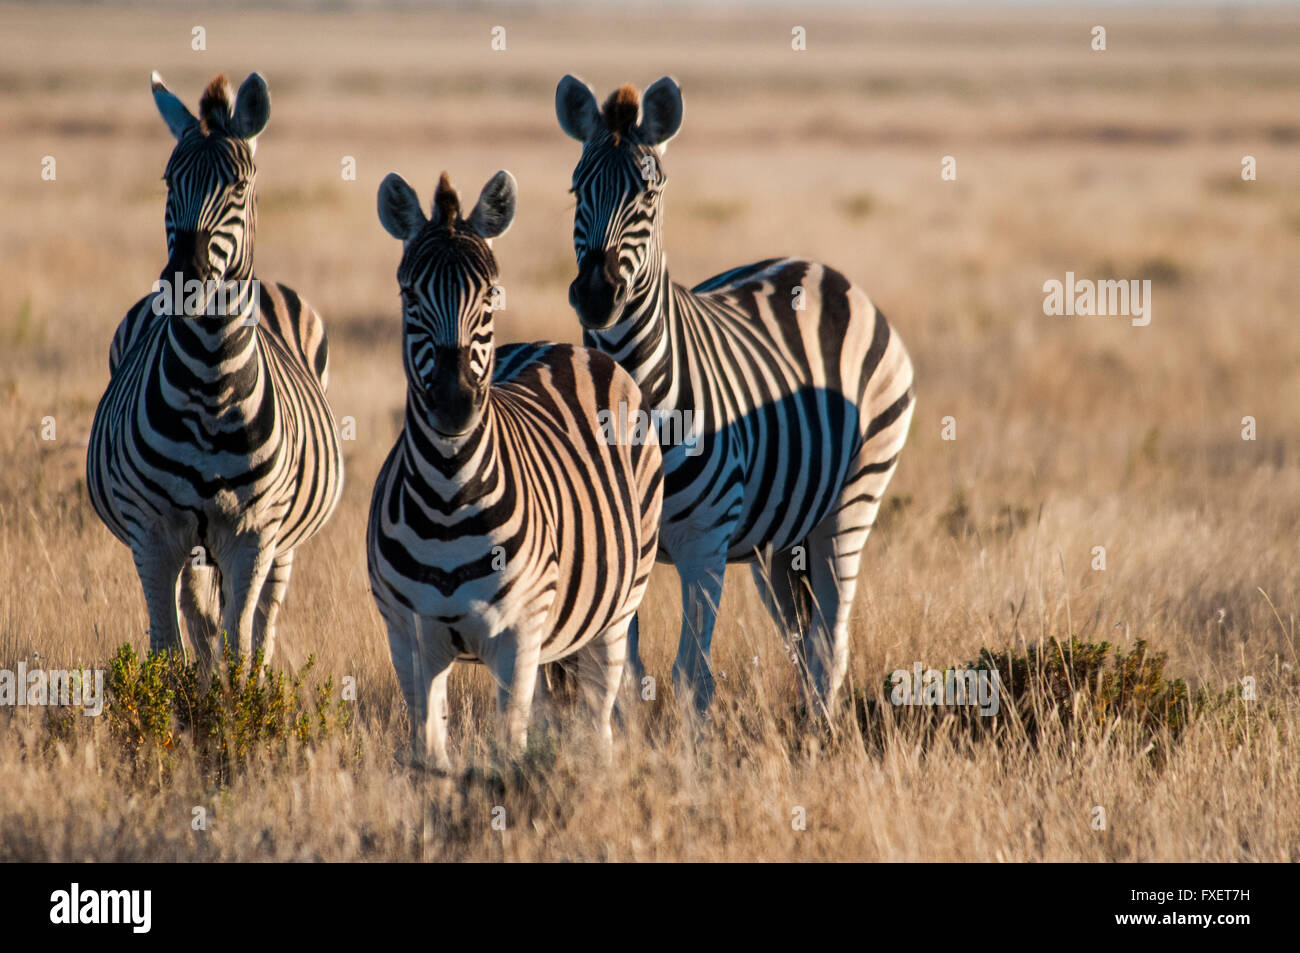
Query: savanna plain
pixel 1070 433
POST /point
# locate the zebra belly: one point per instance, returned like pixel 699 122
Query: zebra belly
pixel 780 473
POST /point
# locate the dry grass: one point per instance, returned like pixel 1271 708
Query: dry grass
pixel 1071 432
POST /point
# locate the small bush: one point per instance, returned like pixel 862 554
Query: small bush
pixel 160 704
pixel 1053 687
pixel 1074 684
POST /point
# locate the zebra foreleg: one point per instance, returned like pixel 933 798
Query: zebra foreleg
pixel 701 594
pixel 243 574
pixel 513 662
pixel 200 602
pixel 600 671
pixel 268 605
pixel 159 568
pixel 423 663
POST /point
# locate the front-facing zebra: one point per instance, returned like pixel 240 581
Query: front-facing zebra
pixel 505 527
pixel 799 392
pixel 213 454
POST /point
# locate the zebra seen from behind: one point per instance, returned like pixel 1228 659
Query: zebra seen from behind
pixel 213 453
pixel 800 390
pixel 505 526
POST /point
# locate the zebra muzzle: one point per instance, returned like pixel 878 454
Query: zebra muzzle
pixel 598 293
pixel 190 255
pixel 455 394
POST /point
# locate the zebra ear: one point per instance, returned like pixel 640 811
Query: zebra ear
pixel 661 112
pixel 252 108
pixel 495 209
pixel 399 208
pixel 179 119
pixel 575 107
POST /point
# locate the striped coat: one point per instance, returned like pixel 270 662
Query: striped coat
pixel 509 524
pixel 214 453
pixel 799 391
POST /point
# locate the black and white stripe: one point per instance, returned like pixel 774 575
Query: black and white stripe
pixel 505 527
pixel 213 453
pixel 800 390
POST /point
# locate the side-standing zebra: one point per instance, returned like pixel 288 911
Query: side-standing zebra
pixel 797 389
pixel 214 453
pixel 509 525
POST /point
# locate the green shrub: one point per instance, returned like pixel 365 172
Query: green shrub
pixel 1075 685
pixel 160 704
pixel 1054 687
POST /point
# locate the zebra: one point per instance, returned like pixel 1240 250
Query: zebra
pixel 512 524
pixel 213 452
pixel 800 393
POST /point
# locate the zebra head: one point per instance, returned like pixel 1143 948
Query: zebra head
pixel 618 183
pixel 211 213
pixel 448 283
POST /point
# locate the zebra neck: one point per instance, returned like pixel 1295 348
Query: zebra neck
pixel 641 341
pixel 458 470
pixel 218 343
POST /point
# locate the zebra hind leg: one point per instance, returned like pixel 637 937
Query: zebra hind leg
pixel 834 559
pixel 200 603
pixel 834 562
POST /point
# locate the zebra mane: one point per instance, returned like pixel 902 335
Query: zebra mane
pixel 446 204
pixel 620 111
pixel 214 106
